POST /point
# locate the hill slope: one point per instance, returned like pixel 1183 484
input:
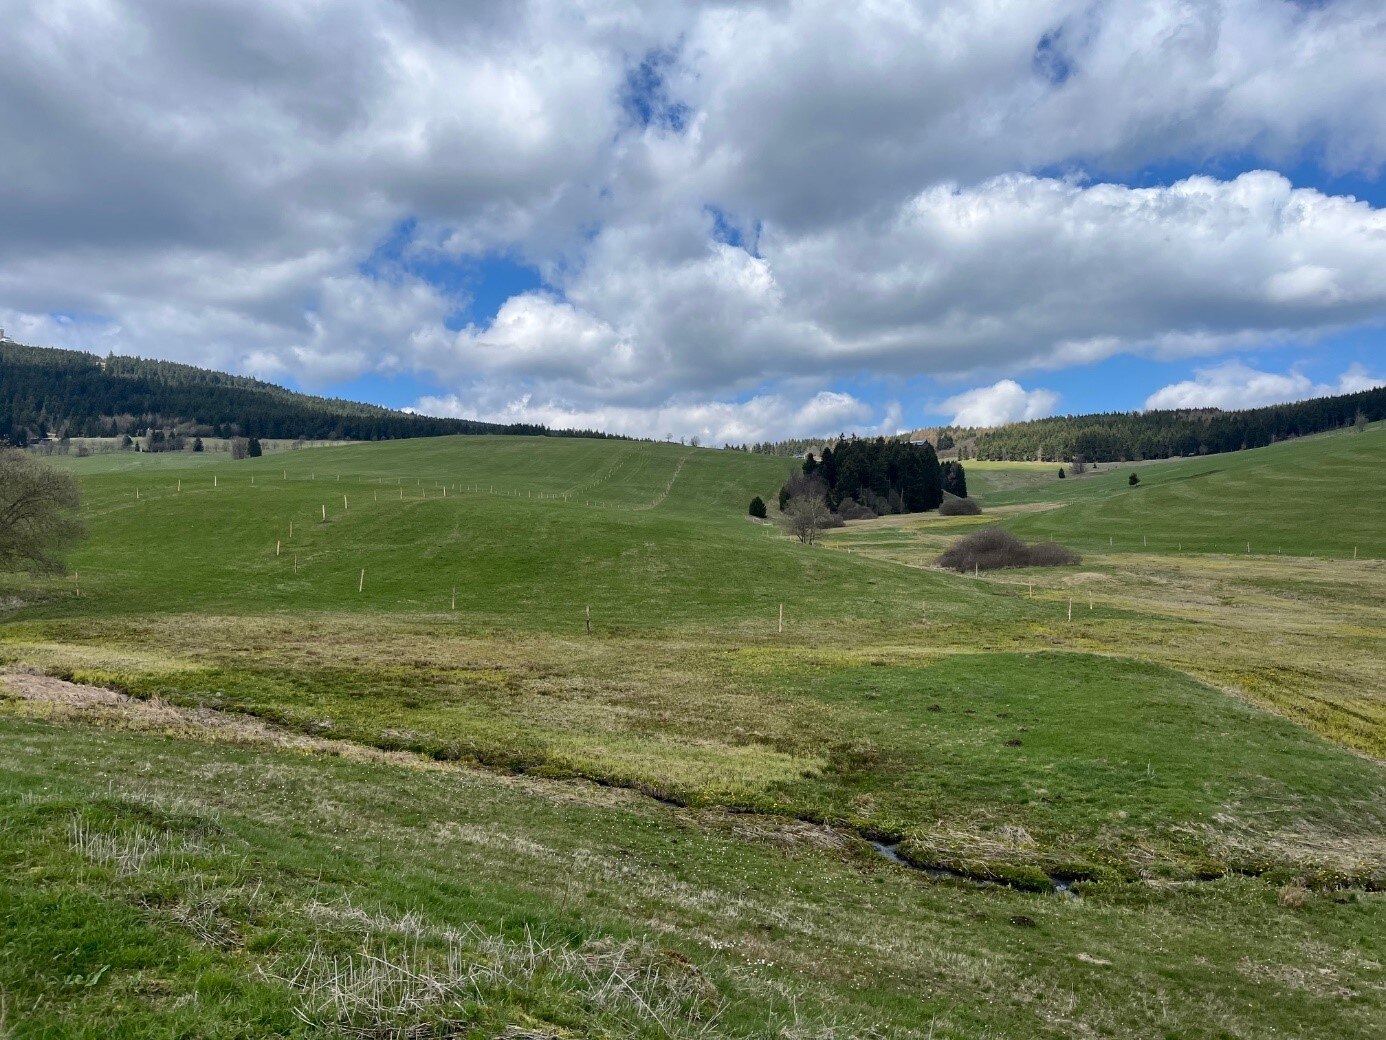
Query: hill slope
pixel 530 530
pixel 1316 496
pixel 334 806
pixel 46 391
pixel 1124 436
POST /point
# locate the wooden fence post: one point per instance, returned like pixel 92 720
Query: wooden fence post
pixel 589 619
pixel 361 583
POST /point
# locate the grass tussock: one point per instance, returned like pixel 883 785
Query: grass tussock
pixel 390 991
pixel 995 548
pixel 127 852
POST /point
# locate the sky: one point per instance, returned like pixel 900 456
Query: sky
pixel 736 221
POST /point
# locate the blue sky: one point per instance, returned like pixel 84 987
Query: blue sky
pixel 737 223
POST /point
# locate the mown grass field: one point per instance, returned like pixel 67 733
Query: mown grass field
pixel 1319 496
pixel 1140 797
pixel 530 531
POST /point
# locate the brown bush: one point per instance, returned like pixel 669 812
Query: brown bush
pixel 960 507
pixel 1051 554
pixel 994 548
pixel 850 509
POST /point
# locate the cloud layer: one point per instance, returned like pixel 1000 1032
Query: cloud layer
pixel 732 207
pixel 1235 384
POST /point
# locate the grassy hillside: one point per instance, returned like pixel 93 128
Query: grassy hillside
pixel 1159 434
pixel 1317 496
pixel 213 889
pixel 327 812
pixel 530 531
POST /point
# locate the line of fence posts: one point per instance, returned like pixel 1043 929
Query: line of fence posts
pixel 587 610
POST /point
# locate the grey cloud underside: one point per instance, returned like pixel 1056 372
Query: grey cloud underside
pixel 819 189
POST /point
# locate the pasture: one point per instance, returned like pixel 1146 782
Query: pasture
pixel 325 804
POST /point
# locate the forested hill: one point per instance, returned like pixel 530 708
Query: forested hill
pixel 45 391
pixel 1125 436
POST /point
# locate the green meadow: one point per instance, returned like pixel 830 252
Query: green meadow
pixel 1317 496
pixel 321 744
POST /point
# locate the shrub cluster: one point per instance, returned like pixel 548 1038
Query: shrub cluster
pixel 960 507
pixel 850 509
pixel 994 548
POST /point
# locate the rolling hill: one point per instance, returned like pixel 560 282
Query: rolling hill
pixel 47 392
pixel 262 781
pixel 1160 434
pixel 1291 497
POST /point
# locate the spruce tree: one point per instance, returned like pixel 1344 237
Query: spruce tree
pixel 954 479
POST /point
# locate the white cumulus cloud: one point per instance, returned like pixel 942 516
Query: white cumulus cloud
pixel 1003 402
pixel 1235 384
pixel 800 190
pixel 768 416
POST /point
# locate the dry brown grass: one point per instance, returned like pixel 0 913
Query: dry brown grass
pixel 43 696
pixel 1304 637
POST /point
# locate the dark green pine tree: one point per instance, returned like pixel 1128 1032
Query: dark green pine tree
pixel 954 479
pixel 757 508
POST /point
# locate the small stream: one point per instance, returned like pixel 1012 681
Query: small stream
pixel 891 851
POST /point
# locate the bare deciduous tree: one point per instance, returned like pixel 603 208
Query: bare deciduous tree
pixel 805 515
pixel 38 513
